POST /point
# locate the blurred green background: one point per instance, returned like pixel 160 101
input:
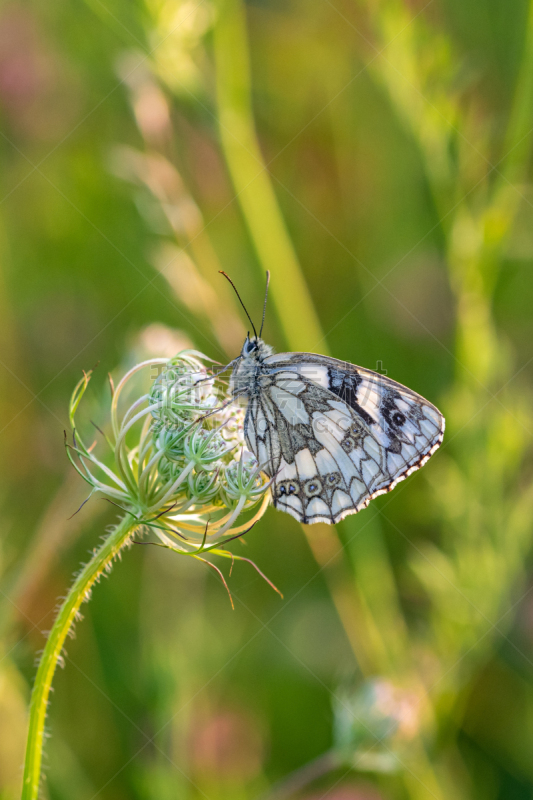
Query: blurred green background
pixel 375 155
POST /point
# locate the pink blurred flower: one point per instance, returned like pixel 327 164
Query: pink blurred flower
pixel 227 745
pixel 37 92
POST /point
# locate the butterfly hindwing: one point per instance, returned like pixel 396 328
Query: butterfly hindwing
pixel 333 436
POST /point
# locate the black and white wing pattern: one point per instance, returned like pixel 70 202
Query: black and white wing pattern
pixel 333 436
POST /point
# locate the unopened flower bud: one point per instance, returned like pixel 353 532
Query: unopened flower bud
pixel 205 448
pixel 203 486
pixel 243 478
pixel 182 393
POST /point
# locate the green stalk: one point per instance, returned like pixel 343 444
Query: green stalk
pixel 517 146
pixel 296 314
pixel 79 592
pixel 251 179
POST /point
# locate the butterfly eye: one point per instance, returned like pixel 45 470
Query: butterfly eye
pixel 250 346
pixel 398 419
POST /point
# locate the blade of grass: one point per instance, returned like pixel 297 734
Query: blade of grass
pixel 249 173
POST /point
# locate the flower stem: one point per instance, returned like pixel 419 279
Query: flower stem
pixel 79 592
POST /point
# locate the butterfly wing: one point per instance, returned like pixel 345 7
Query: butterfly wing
pixel 333 436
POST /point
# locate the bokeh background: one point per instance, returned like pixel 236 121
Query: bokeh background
pixel 375 156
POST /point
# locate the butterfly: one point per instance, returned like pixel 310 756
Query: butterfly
pixel 330 435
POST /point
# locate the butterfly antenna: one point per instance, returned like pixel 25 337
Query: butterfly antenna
pixel 265 303
pixel 240 300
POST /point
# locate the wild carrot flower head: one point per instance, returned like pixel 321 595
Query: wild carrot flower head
pixel 176 457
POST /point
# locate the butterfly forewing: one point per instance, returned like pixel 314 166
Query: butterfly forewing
pixel 333 436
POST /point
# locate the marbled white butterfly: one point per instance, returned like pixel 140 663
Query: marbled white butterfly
pixel 330 435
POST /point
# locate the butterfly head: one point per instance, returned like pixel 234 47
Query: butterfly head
pixel 247 368
pixel 255 349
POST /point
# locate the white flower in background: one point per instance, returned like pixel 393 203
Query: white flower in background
pixel 375 722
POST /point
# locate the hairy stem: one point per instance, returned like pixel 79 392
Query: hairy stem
pixel 79 592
